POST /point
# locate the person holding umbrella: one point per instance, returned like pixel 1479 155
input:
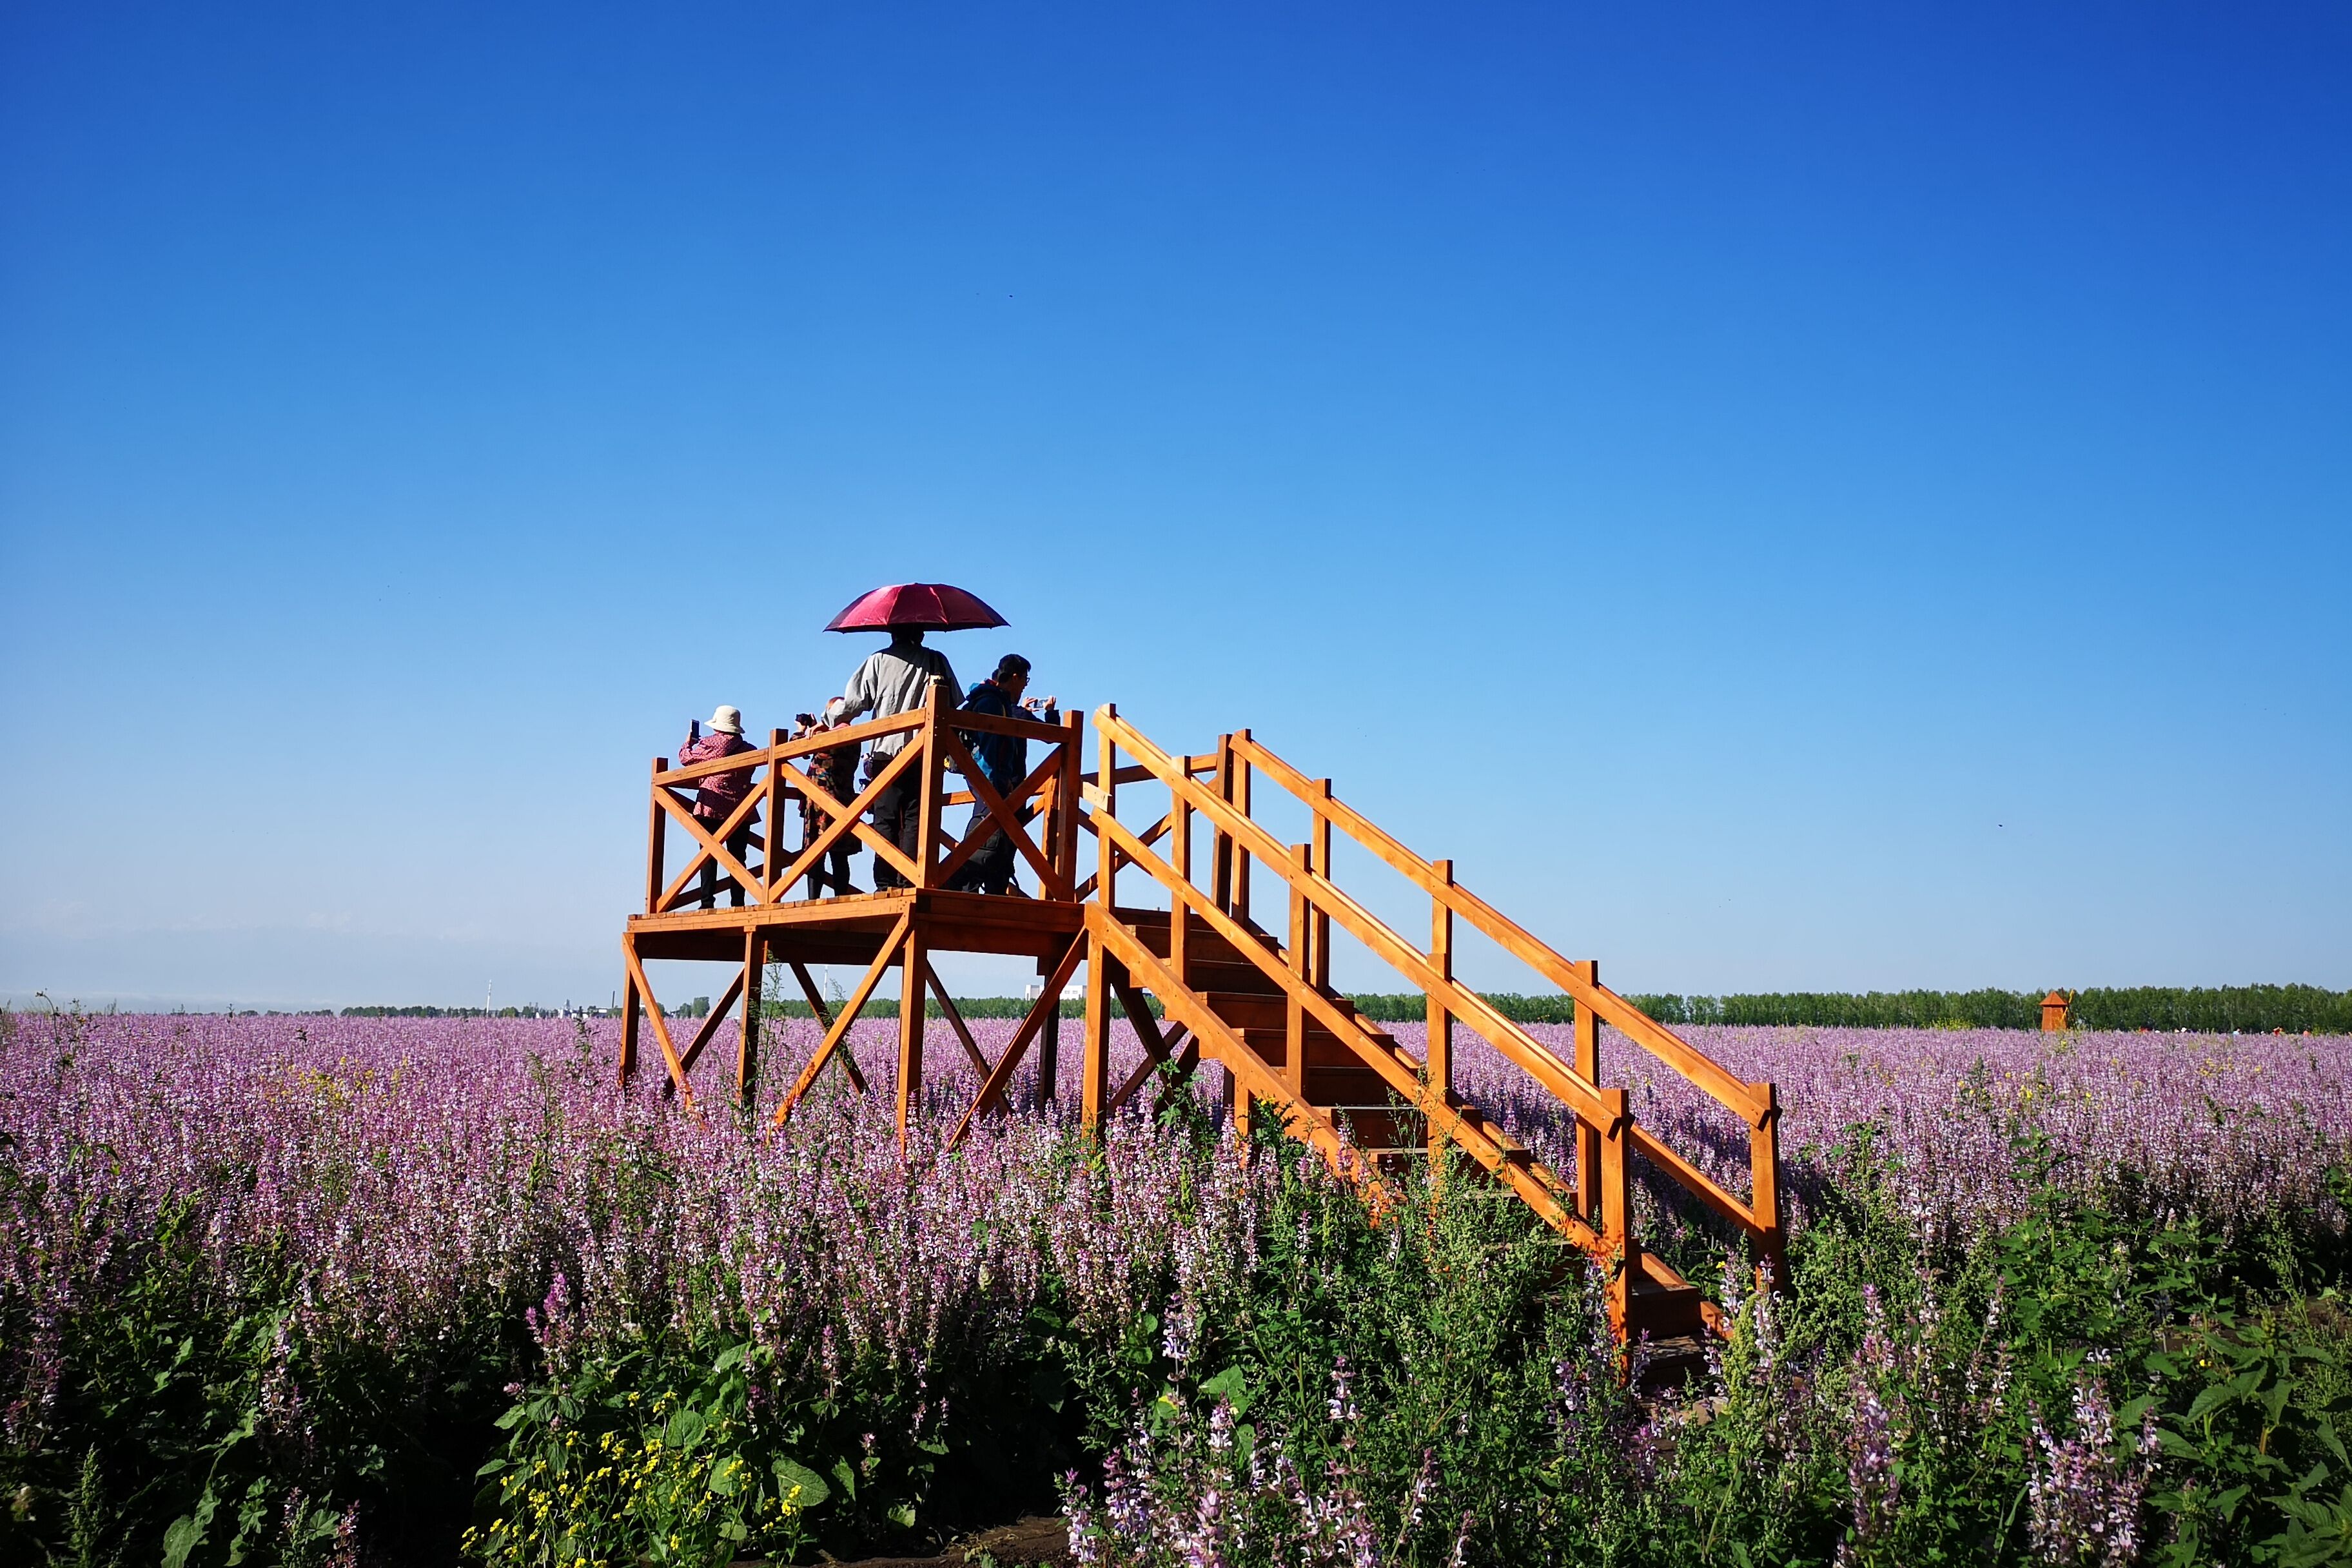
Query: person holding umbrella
pixel 893 680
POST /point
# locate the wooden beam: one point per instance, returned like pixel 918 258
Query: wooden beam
pixel 840 1029
pixel 1588 1066
pixel 661 1024
pixel 954 1017
pixel 823 1016
pixel 1096 1086
pixel 628 1025
pixel 914 966
pixel 747 1045
pixel 849 817
pixel 1438 1058
pixel 656 841
pixel 712 848
pixel 1045 1010
pixel 702 1037
pixel 1153 1060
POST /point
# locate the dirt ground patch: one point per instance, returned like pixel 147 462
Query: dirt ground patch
pixel 1027 1544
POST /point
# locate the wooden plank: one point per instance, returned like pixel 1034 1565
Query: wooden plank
pixel 1151 1063
pixel 1066 800
pixel 1616 1225
pixel 1243 784
pixel 1320 931
pixel 955 1021
pixel 1045 1010
pixel 1764 1178
pixel 628 1024
pixel 1095 1072
pixel 926 815
pixel 1588 1066
pixel 1707 1190
pixel 1294 1012
pixel 1629 1021
pixel 656 841
pixel 972 724
pixel 1180 915
pixel 914 967
pixel 859 733
pixel 710 1022
pixel 1106 799
pixel 823 1016
pixel 773 832
pixel 747 1045
pixel 661 1024
pixel 1438 1058
pixel 840 1029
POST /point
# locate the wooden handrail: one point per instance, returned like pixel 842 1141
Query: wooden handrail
pixel 935 742
pixel 865 730
pixel 1507 934
pixel 1492 1149
pixel 1528 1053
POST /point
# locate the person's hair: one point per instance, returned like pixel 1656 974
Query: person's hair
pixel 1011 664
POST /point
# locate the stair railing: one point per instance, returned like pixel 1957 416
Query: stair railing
pixel 1597 1215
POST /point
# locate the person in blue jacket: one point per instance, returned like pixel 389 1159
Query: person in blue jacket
pixel 1004 759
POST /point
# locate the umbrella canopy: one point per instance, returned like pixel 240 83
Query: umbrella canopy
pixel 934 606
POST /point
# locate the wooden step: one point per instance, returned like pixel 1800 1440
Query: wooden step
pixel 1665 1305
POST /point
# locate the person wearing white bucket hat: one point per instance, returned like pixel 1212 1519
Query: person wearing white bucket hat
pixel 716 795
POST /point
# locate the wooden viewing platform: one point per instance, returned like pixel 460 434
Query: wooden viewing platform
pixel 1254 998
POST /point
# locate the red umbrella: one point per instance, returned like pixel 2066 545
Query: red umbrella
pixel 934 606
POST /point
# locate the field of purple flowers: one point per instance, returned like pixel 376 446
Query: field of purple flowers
pixel 302 1289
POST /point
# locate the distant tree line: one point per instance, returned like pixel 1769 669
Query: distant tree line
pixel 2256 1009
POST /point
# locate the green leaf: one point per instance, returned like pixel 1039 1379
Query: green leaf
pixel 730 1359
pixel 686 1430
pixel 845 1475
pixel 188 1532
pixel 492 1468
pixel 813 1491
pixel 727 1475
pixel 902 1514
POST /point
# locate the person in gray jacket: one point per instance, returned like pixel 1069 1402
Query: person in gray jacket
pixel 891 682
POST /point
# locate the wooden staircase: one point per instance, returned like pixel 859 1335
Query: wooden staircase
pixel 1262 1005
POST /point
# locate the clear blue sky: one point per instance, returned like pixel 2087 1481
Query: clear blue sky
pixel 1796 496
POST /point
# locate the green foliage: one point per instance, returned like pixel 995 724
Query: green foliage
pixel 597 1470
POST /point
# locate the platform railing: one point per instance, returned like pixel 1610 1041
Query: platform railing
pixel 1037 816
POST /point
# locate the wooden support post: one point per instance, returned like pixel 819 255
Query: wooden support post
pixel 1440 1057
pixel 1294 1012
pixel 1590 1180
pixel 1319 933
pixel 657 840
pixel 927 808
pixel 1095 1092
pixel 1764 1178
pixel 1221 844
pixel 769 865
pixel 1180 914
pixel 1241 799
pixel 747 1047
pixel 1105 857
pixel 1616 1226
pixel 1049 1054
pixel 914 962
pixel 628 1028
pixel 1066 799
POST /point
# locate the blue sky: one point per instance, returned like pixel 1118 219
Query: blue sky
pixel 1819 497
